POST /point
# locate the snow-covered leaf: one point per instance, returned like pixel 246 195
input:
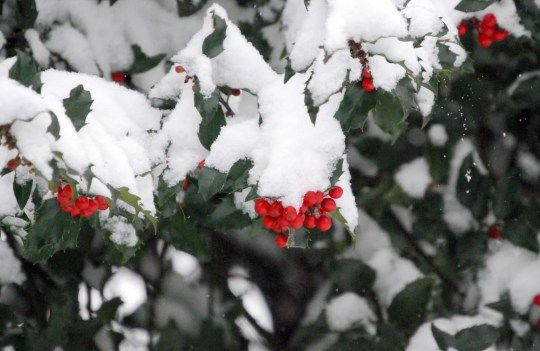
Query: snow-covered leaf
pixel 142 62
pixel 212 115
pixel 213 43
pixel 409 305
pixel 353 110
pixel 473 5
pixel 25 71
pixel 22 192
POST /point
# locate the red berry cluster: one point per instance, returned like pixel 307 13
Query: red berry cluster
pixel 312 214
pixel 118 77
pixel 488 30
pixel 82 206
pixel 358 53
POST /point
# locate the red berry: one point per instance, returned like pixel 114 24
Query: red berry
pixel 82 203
pixel 319 197
pixel 268 222
pixel 179 69
pixel 75 211
pixel 310 222
pixel 463 28
pixel 500 35
pixel 185 184
pixel 495 232
pixel 328 205
pixel 489 20
pixel 476 24
pixel 336 192
pixel 64 195
pixel 13 164
pixel 489 32
pixel 101 202
pixel 87 213
pixel 366 73
pixel 235 92
pixel 93 205
pixel 289 213
pixel 367 85
pixel 303 209
pixel 118 77
pixel 275 209
pixel 536 300
pixel 484 40
pixel 281 240
pixel 201 163
pixel 310 199
pixel 262 207
pixel 298 222
pixel 324 223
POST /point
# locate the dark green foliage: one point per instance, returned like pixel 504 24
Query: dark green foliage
pixel 78 106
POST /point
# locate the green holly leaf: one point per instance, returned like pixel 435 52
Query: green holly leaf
pixel 183 235
pixel 22 192
pixel 107 311
pixel 473 5
pixel 353 109
pixel 409 305
pixel 311 108
pixel 26 13
pixel 238 175
pixel 26 72
pixel 336 174
pixel 213 118
pixel 54 127
pixel 473 188
pixel 213 44
pixel 447 57
pixel 226 216
pixel 443 339
pixel 142 62
pixel 289 72
pixel 252 195
pixel 388 114
pixel 476 338
pixel 520 232
pixel 353 275
pixel 507 194
pixel 52 231
pixel 211 182
pixel 78 105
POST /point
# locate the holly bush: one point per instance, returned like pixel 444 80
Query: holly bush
pixel 269 175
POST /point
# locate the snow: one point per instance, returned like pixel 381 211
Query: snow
pixel 18 102
pixel 127 285
pixel 10 269
pixel 122 233
pixel 348 310
pixel 414 177
pixel 39 51
pixel 437 135
pixel 425 99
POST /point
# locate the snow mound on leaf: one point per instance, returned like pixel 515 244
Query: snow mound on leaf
pixel 115 143
pixel 291 154
pixel 10 269
pixel 348 310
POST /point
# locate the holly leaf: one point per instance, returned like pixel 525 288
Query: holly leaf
pixel 443 339
pixel 289 72
pixel 473 188
pixel 213 43
pixel 22 192
pixel 25 71
pixel 507 194
pixel 252 195
pixel 52 231
pixel 78 105
pixel 353 275
pixel 226 216
pixel 211 182
pixel 520 232
pixel 388 114
pixel 54 127
pixel 353 109
pixel 409 305
pixel 476 338
pixel 238 175
pixel 311 108
pixel 183 235
pixel 213 118
pixel 447 57
pixel 107 311
pixel 26 13
pixel 336 174
pixel 473 5
pixel 142 62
